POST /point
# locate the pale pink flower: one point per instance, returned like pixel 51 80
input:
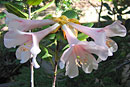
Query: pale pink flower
pixel 80 54
pixel 16 23
pixel 100 35
pixel 29 43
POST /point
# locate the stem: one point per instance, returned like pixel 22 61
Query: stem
pixel 55 73
pixel 32 69
pixel 32 75
pixel 100 13
pixel 56 64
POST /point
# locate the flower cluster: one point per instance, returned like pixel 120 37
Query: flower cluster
pixel 79 53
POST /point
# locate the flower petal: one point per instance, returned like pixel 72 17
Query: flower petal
pixel 115 29
pixel 71 67
pixel 16 23
pixel 91 47
pixel 97 34
pixel 35 64
pixel 91 64
pixel 14 38
pixel 23 55
pixel 70 36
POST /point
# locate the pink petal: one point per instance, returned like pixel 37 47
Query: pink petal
pixel 66 55
pixel 16 23
pixel 70 36
pixel 12 39
pixel 115 29
pixel 87 60
pixel 91 47
pixel 97 34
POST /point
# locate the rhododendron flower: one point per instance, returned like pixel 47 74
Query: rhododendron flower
pixel 80 54
pixel 101 35
pixel 29 43
pixel 16 23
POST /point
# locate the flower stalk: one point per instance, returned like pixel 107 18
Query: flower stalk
pixel 32 68
pixel 56 64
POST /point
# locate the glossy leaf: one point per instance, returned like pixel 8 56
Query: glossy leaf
pixel 34 2
pixel 15 10
pixel 46 55
pixel 70 14
pixel 107 6
pixel 106 17
pixel 43 8
pixel 88 24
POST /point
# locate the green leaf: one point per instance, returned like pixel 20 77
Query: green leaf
pixel 88 24
pixel 49 16
pixel 106 17
pixel 67 46
pixel 50 36
pixel 107 6
pixel 70 14
pixel 43 8
pixel 2 15
pixel 46 55
pixel 34 2
pixel 82 36
pixel 15 10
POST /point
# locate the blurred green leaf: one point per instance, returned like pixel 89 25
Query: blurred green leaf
pixel 82 36
pixel 15 10
pixel 67 46
pixel 110 13
pixel 2 15
pixel 46 55
pixel 34 2
pixel 88 24
pixel 106 17
pixel 43 8
pixel 51 36
pixel 107 6
pixel 70 14
pixel 49 16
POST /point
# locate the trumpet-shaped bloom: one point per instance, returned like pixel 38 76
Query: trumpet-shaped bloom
pixel 16 23
pixel 29 43
pixel 80 54
pixel 100 35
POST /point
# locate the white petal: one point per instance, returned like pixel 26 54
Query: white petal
pixel 35 64
pixel 115 29
pixel 62 65
pixel 14 38
pixel 65 56
pixel 71 67
pixel 91 64
pixel 91 47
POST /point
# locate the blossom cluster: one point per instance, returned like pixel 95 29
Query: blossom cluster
pixel 79 54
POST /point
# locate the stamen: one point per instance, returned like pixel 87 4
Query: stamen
pixel 24 49
pixel 81 61
pixel 76 61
